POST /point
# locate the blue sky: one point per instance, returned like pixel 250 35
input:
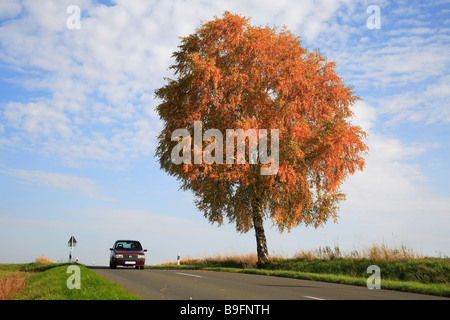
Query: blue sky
pixel 78 127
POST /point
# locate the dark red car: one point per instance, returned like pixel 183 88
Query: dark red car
pixel 127 253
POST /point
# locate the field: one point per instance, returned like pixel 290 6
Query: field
pixel 48 281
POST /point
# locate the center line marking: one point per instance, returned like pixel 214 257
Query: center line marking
pixel 190 275
pixel 314 298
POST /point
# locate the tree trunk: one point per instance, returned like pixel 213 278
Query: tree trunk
pixel 261 243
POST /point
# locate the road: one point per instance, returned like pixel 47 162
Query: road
pixel 156 284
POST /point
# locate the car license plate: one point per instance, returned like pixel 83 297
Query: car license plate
pixel 130 262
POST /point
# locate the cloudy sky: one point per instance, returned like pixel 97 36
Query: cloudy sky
pixel 78 126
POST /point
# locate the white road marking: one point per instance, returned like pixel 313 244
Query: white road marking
pixel 190 275
pixel 314 298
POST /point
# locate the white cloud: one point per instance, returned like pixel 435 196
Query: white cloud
pixel 397 63
pixel 365 116
pixel 9 9
pixel 391 194
pixel 97 79
pixel 429 104
pixel 37 119
pixel 57 181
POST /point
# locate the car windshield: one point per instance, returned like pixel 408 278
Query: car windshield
pixel 128 245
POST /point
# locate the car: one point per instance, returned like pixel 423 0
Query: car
pixel 127 253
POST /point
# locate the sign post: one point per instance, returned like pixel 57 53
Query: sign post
pixel 72 243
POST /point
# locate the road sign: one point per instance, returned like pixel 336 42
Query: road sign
pixel 72 242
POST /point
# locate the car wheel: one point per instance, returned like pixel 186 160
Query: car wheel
pixel 112 265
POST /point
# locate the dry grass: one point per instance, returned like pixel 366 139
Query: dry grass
pixel 246 260
pixel 11 284
pixel 43 259
pixel 14 281
pixel 375 252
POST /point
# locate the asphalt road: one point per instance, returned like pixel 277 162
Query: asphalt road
pixel 152 284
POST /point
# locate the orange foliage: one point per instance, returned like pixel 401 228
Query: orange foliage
pixel 229 75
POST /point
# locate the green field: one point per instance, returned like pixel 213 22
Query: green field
pixel 37 281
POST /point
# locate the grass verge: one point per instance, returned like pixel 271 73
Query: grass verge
pixel 40 281
pixel 437 289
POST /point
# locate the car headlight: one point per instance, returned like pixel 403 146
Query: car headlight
pixel 141 256
pixel 119 256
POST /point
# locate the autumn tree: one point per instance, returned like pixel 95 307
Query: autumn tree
pixel 230 74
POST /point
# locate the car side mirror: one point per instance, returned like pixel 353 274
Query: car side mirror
pixel 111 249
pixel 145 250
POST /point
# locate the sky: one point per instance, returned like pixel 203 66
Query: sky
pixel 78 126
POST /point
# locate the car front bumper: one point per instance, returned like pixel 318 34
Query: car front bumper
pixel 129 262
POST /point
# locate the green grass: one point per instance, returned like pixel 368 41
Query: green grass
pixel 427 271
pixel 49 282
pixel 437 289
